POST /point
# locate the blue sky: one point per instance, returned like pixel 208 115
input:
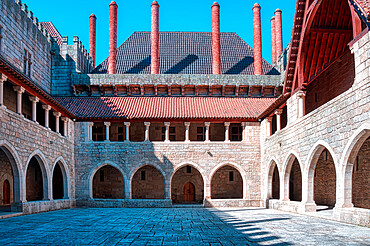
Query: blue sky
pixel 71 17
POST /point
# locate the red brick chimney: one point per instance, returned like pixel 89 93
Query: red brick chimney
pixel 154 38
pixel 112 59
pixel 278 33
pixel 273 39
pixel 216 45
pixel 257 39
pixel 92 37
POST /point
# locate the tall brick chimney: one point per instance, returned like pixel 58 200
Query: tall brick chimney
pixel 257 39
pixel 154 38
pixel 278 33
pixel 216 45
pixel 92 37
pixel 112 59
pixel 273 39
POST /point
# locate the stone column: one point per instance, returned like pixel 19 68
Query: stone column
pixel 65 122
pixel 89 134
pixel 19 90
pixel 47 109
pixel 107 125
pixel 244 132
pixel 227 127
pixel 187 126
pixel 278 113
pixel 268 130
pixel 57 116
pixel 167 133
pixel 207 124
pixel 127 124
pixel 301 107
pixel 34 101
pixel 147 127
pixel 2 80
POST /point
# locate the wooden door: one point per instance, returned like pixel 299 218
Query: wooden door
pixel 6 192
pixel 189 192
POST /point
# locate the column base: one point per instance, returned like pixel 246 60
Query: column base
pixel 308 207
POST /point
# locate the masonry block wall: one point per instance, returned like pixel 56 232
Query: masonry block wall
pixel 6 175
pixel 32 38
pixel 167 158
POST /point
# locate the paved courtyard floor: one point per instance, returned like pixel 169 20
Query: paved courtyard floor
pixel 177 226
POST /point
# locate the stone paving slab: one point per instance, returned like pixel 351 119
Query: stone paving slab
pixel 177 226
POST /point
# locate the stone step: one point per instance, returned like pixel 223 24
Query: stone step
pixel 188 206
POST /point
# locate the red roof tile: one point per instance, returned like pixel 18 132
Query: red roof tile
pixel 166 107
pixel 53 31
pixel 365 7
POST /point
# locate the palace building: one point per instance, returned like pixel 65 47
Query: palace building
pixel 174 118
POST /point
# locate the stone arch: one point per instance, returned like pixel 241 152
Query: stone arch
pixel 293 177
pixel 17 173
pixel 113 165
pixel 329 166
pixel 349 160
pixel 148 182
pixel 238 185
pixel 35 185
pixel 196 177
pixel 65 176
pixel 273 180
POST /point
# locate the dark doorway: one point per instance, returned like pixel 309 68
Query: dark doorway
pixel 6 192
pixel 189 192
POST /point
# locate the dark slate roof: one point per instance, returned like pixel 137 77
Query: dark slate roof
pixel 53 31
pixel 185 53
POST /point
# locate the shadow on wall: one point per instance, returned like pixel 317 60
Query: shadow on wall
pixel 138 67
pixel 181 65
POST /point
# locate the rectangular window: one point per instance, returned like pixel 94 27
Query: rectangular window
pixel 188 169
pixel 121 135
pixel 172 133
pixel 98 133
pixel 1 39
pixel 200 133
pixel 231 176
pixel 236 133
pixel 27 63
pixel 101 175
pixel 142 175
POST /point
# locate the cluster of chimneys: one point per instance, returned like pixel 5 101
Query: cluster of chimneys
pixel 276 33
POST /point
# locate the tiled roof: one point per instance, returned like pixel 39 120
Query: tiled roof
pixel 165 107
pixel 52 30
pixel 365 7
pixel 185 53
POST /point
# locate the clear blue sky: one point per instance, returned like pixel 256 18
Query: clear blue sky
pixel 71 17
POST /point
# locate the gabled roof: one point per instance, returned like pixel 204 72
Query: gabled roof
pixel 134 108
pixel 185 53
pixel 53 31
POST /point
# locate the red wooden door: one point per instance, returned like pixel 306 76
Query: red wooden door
pixel 6 192
pixel 189 192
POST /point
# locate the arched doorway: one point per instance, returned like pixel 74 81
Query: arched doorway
pixel 293 180
pixel 273 182
pixel 361 177
pixel 108 183
pixel 59 182
pixel 147 183
pixel 227 183
pixel 181 181
pixel 35 181
pixel 325 180
pixel 6 192
pixel 189 192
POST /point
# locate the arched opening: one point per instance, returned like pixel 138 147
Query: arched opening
pixel 147 183
pixel 275 184
pixel 6 192
pixel 108 183
pixel 227 183
pixel 360 177
pixel 35 181
pixel 182 177
pixel 293 180
pixel 325 180
pixel 59 182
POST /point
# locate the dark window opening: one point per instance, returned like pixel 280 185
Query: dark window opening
pixel 231 176
pixel 121 135
pixel 142 175
pixel 172 131
pixel 27 63
pixel 98 133
pixel 101 175
pixel 188 169
pixel 236 133
pixel 200 133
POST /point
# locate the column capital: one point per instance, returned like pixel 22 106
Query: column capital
pixel 46 107
pixel 18 89
pixel 65 119
pixel 187 124
pixel 57 114
pixel 207 123
pixel 301 94
pixel 279 111
pixel 107 123
pixel 34 99
pixel 91 123
pixel 3 78
pixel 146 123
pixel 127 123
pixel 269 119
pixel 226 123
pixel 167 123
